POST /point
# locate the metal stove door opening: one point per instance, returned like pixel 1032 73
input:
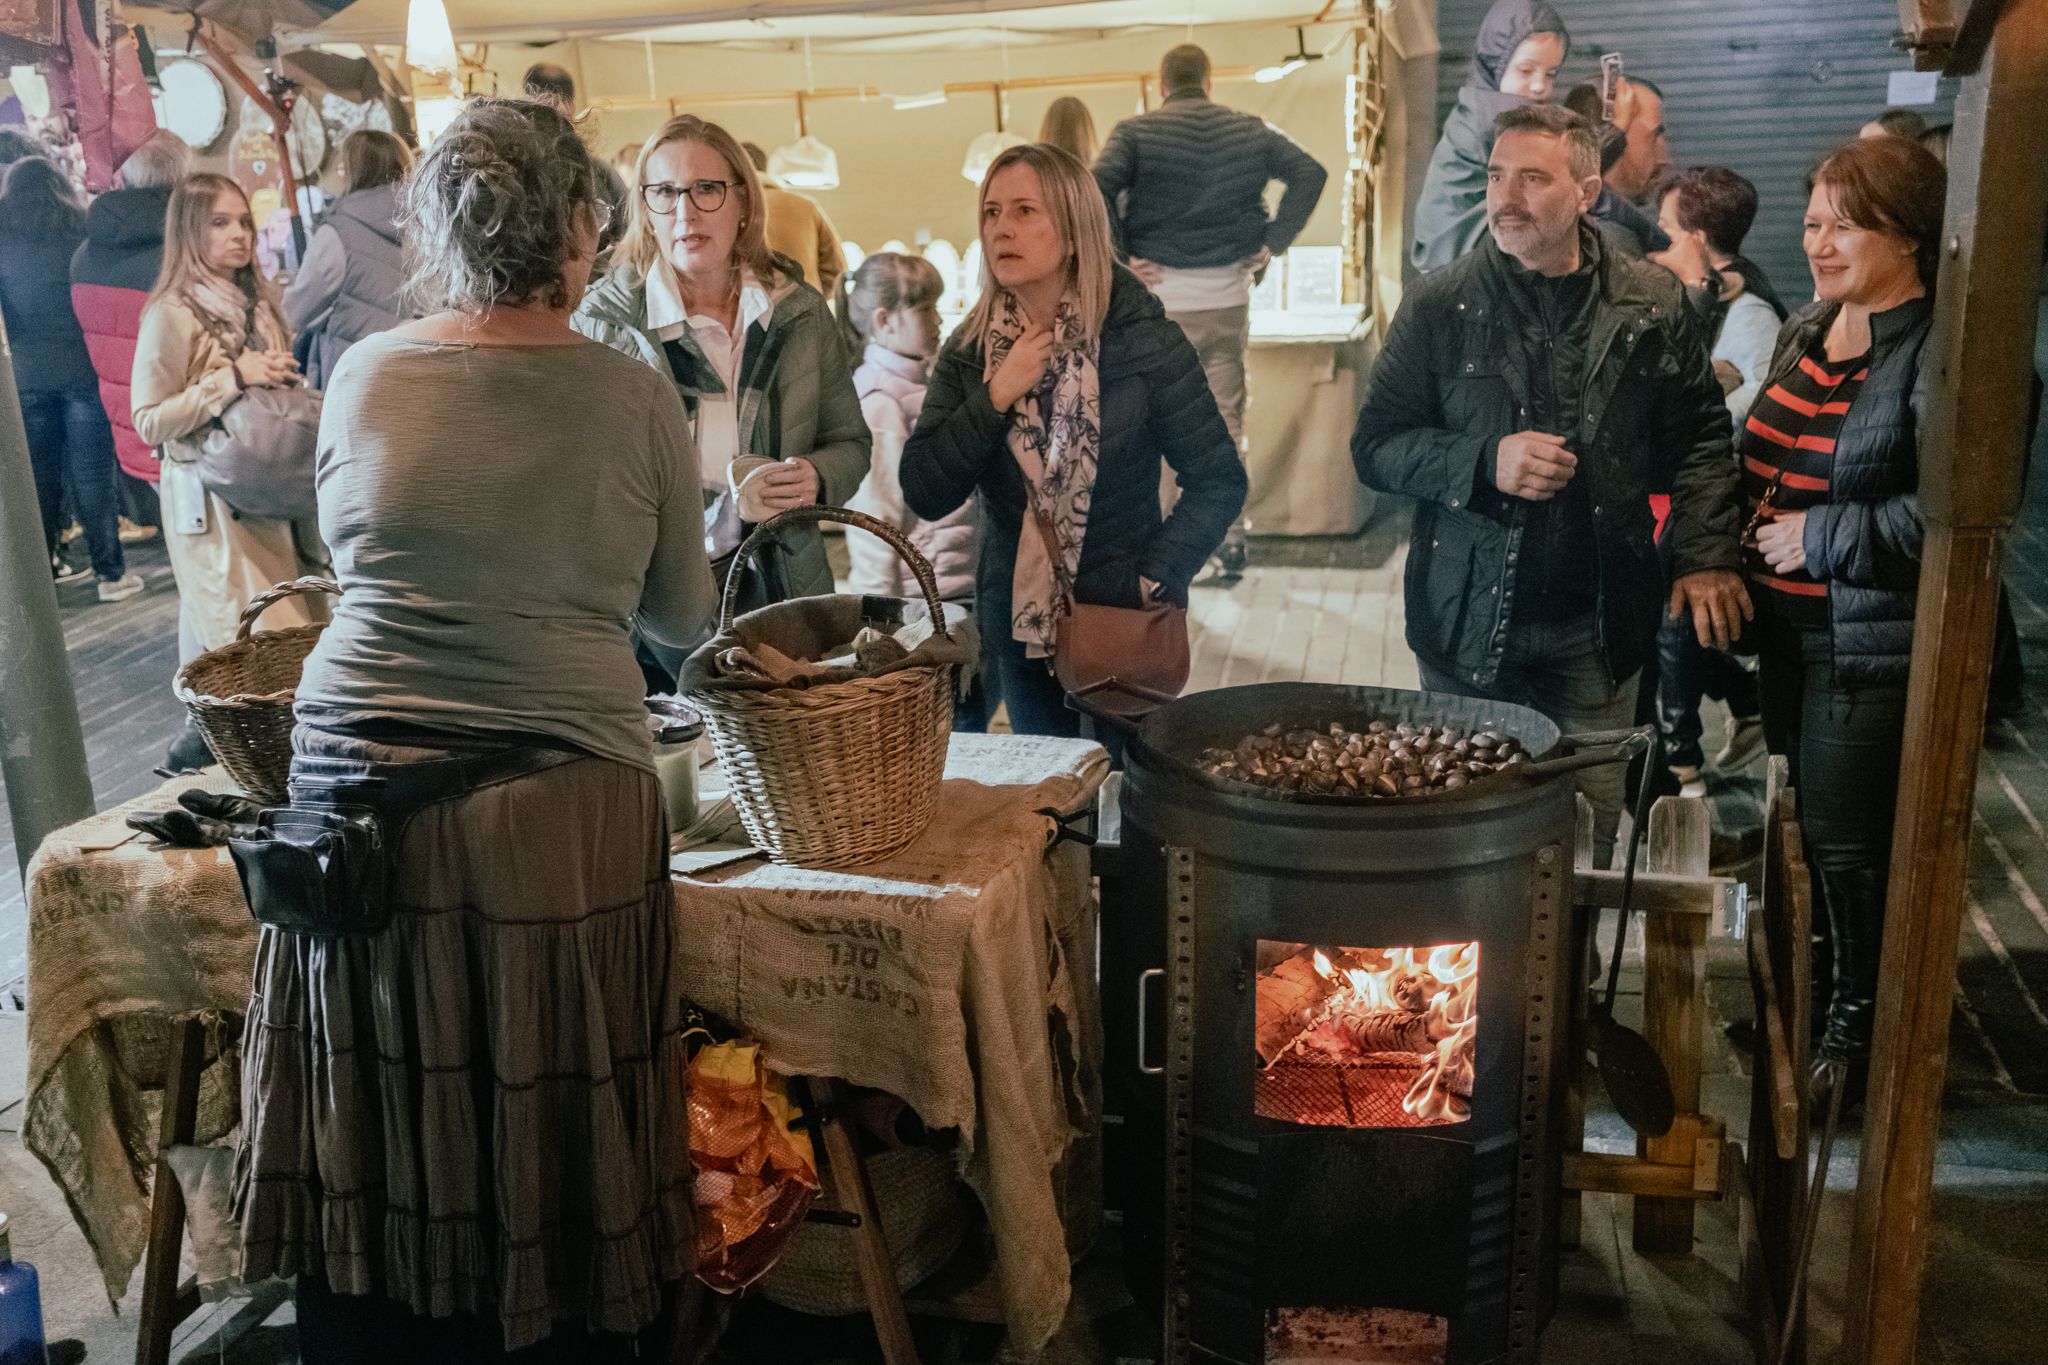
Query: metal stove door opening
pixel 1348 1037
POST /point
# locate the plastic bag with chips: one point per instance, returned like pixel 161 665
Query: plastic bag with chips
pixel 756 1175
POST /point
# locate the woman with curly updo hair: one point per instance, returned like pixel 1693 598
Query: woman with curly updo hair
pixel 464 1131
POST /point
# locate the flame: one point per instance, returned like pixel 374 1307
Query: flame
pixel 1442 984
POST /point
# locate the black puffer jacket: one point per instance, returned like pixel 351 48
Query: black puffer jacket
pixel 1448 385
pixel 1865 540
pixel 1186 184
pixel 1155 405
pixel 35 293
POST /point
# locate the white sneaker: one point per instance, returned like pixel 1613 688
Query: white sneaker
pixel 1690 783
pixel 120 589
pixel 1745 742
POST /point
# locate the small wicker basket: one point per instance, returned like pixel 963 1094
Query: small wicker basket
pixel 844 773
pixel 241 694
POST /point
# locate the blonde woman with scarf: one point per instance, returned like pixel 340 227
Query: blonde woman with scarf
pixel 211 331
pixel 1066 388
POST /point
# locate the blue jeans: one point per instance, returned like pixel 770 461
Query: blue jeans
pixel 1558 670
pixel 71 448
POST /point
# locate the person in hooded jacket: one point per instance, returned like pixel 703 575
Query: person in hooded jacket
pixel 1515 60
pixel 112 273
pixel 1069 365
pixel 696 293
pixel 349 286
pixel 70 447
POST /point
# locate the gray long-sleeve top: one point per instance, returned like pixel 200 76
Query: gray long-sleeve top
pixel 501 517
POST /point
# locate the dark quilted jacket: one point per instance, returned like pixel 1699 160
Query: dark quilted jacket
pixel 35 294
pixel 111 277
pixel 1155 405
pixel 1186 184
pixel 1864 541
pixel 1448 385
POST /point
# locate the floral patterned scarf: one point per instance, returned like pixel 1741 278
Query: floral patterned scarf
pixel 1055 436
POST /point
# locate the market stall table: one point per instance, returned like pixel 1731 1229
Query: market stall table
pixel 933 975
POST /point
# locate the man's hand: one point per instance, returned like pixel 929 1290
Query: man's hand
pixel 1533 465
pixel 1260 259
pixel 1719 604
pixel 1146 271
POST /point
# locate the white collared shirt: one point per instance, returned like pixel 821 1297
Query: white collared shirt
pixel 718 415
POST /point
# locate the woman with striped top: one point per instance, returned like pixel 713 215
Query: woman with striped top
pixel 1831 473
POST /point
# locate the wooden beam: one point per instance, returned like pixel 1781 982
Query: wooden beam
pixel 1929 31
pixel 1674 988
pixel 1978 371
pixel 1657 893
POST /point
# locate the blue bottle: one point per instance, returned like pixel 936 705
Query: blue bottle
pixel 21 1309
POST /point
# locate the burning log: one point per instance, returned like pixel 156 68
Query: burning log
pixel 1289 999
pixel 1394 1030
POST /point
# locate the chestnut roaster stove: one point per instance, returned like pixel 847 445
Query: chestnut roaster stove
pixel 1349 1023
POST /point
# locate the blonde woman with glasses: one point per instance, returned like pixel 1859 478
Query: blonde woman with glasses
pixel 1062 394
pixel 695 293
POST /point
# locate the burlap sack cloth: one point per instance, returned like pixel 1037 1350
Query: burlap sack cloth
pixel 954 975
pixel 123 940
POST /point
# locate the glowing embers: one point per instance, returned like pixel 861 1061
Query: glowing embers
pixel 1366 1037
pixel 1356 1336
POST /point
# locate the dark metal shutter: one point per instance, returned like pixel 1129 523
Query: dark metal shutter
pixel 1766 87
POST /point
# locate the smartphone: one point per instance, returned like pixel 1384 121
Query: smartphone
pixel 1610 84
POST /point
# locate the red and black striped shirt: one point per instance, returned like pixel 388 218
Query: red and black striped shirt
pixel 1788 444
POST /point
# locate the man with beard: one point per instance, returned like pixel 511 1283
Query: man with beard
pixel 1531 396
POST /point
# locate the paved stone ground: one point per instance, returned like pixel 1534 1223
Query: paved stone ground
pixel 1321 610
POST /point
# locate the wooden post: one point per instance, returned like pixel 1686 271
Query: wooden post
pixel 164 1303
pixel 1978 370
pixel 1674 986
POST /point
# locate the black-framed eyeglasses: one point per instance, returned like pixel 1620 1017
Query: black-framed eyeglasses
pixel 708 195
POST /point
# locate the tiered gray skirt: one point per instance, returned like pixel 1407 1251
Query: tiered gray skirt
pixel 480 1108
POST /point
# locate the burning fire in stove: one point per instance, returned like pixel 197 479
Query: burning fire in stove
pixel 1367 1037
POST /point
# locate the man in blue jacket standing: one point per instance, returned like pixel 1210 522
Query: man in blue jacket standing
pixel 1186 186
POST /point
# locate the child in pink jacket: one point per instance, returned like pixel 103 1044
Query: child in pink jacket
pixel 890 307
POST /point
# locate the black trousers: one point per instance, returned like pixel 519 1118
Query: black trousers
pixel 1842 742
pixel 1686 672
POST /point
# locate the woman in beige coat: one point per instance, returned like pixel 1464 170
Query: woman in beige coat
pixel 210 332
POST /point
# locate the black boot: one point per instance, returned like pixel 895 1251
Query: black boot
pixel 1855 905
pixel 187 751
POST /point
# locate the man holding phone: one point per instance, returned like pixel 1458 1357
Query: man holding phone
pixel 1531 396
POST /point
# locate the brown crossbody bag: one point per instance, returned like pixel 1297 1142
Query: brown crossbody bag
pixel 1146 647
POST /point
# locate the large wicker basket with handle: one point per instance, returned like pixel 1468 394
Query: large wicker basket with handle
pixel 241 694
pixel 842 773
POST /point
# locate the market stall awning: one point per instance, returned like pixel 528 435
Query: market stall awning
pixel 840 22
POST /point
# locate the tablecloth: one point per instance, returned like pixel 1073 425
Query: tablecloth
pixel 954 975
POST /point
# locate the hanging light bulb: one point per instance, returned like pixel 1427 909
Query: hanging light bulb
pixel 431 115
pixel 1291 63
pixel 982 152
pixel 429 41
pixel 807 163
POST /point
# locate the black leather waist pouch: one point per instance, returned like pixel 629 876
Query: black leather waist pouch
pixel 324 864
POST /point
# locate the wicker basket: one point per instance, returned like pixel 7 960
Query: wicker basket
pixel 844 773
pixel 241 694
pixel 925 1214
